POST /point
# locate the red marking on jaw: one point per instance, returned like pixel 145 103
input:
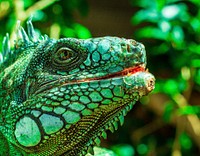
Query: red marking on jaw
pixel 126 71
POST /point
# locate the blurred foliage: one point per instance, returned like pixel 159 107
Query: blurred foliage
pixel 57 17
pixel 170 31
pixel 168 121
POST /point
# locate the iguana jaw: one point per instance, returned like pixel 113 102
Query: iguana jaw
pixel 106 117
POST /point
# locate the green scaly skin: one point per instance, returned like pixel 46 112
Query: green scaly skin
pixel 58 97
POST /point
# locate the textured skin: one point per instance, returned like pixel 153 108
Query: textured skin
pixel 58 97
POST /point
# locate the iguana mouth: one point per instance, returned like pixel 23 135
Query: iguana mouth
pixel 60 82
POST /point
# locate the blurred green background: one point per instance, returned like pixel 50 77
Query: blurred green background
pixel 167 121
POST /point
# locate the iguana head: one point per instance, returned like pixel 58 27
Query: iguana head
pixel 62 95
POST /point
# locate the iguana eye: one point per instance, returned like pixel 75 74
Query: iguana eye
pixel 65 59
pixel 64 53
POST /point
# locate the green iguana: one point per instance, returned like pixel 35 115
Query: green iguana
pixel 58 97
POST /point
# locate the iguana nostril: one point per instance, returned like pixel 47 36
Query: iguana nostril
pixel 151 84
pixel 128 48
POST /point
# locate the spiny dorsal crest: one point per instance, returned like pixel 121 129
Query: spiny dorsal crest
pixel 22 40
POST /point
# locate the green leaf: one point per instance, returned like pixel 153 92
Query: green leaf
pixel 189 110
pixel 175 12
pixel 195 63
pixel 28 3
pixel 149 15
pixel 142 149
pixel 159 4
pixel 196 2
pixel 99 151
pixel 68 32
pixel 177 34
pixel 144 3
pixel 160 49
pixel 164 25
pixel 151 32
pixel 171 11
pixel 123 149
pixel 81 31
pixel 38 15
pixel 194 48
pixel 185 141
pixel 169 107
pixel 195 23
pixel 171 87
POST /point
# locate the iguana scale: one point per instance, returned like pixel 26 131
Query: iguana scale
pixel 58 97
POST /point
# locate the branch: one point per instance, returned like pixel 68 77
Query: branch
pixel 4 8
pixel 37 6
pixel 192 118
pixel 147 129
pixel 190 122
pixel 55 31
pixel 176 149
pixel 23 15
